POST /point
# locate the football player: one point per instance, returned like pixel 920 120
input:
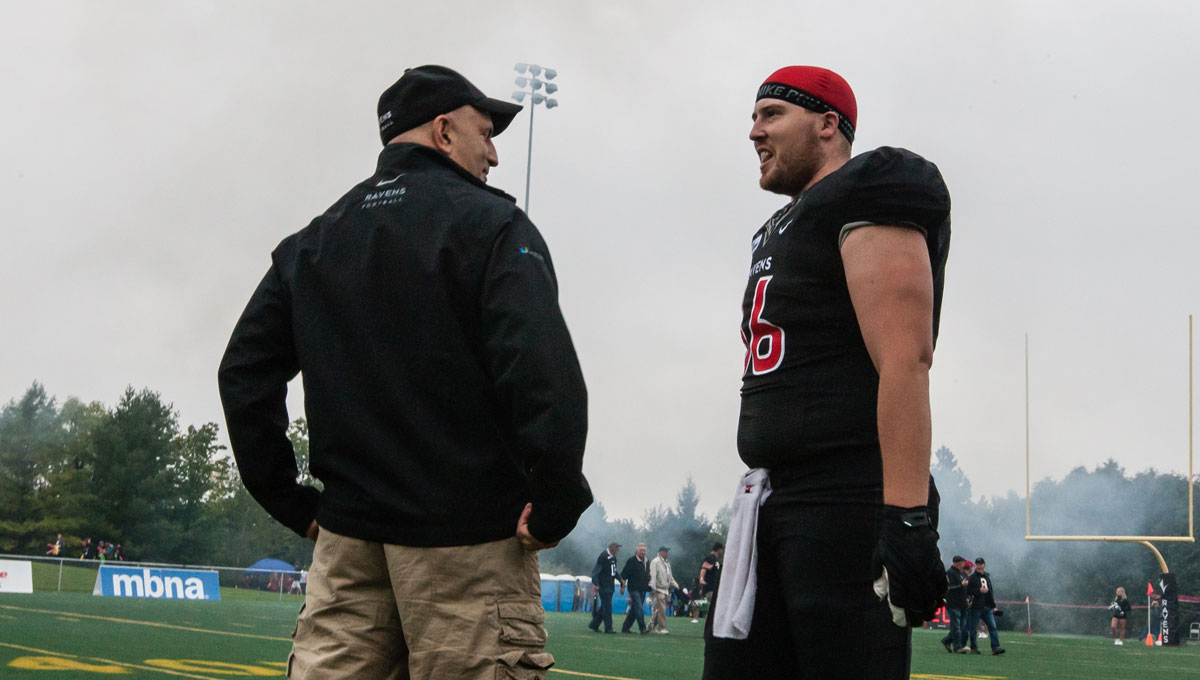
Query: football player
pixel 840 317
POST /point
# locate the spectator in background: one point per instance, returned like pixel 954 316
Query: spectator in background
pixel 956 606
pixel 710 573
pixel 980 593
pixel 55 547
pixel 1120 613
pixel 101 551
pixel 637 578
pixel 87 551
pixel 661 583
pixel 118 553
pixel 604 579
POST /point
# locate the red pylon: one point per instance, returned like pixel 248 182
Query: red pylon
pixel 1149 640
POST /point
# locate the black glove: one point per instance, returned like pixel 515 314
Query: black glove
pixel 907 546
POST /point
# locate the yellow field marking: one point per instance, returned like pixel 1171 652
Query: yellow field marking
pixel 281 664
pixel 107 661
pixel 218 667
pixel 591 675
pixel 152 624
pixel 68 618
pixel 57 663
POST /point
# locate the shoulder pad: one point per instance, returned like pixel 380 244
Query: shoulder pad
pixel 888 186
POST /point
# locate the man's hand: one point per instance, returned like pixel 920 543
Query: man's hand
pixel 526 539
pixel 312 532
pixel 908 548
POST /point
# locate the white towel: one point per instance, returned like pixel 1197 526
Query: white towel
pixel 739 580
pixel 899 617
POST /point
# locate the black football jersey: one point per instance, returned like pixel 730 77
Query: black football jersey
pixel 809 386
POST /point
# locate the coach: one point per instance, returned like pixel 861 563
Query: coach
pixel 446 407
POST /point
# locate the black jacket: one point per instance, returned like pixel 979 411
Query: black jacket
pixel 637 574
pixel 956 592
pixel 604 574
pixel 978 598
pixel 441 386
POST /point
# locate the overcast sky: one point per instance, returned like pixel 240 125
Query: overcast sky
pixel 153 154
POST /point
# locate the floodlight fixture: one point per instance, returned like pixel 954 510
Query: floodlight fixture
pixel 535 97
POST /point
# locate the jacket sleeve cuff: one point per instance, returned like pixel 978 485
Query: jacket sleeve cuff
pixel 551 521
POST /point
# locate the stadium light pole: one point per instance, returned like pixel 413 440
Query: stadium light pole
pixel 535 83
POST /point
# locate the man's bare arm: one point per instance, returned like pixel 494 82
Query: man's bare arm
pixel 891 286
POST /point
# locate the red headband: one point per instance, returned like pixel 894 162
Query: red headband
pixel 816 89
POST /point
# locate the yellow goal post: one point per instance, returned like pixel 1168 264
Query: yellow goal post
pixel 1144 540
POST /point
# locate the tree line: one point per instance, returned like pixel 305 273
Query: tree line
pixel 132 474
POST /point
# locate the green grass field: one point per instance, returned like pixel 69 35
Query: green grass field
pixel 75 635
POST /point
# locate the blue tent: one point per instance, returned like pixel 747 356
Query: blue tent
pixel 272 564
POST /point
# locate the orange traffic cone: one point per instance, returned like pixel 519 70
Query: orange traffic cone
pixel 1149 640
pixel 1159 641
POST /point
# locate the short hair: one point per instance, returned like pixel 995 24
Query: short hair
pixel 718 546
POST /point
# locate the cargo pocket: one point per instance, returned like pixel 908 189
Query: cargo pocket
pixel 521 623
pixel 299 617
pixel 520 665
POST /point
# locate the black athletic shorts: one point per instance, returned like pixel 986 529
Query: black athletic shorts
pixel 816 614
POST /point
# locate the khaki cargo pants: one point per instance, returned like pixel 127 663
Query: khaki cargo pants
pixel 391 612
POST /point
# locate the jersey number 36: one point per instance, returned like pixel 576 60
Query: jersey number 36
pixel 764 348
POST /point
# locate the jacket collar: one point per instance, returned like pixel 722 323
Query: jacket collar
pixel 403 155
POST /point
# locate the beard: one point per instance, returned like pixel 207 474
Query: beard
pixel 794 169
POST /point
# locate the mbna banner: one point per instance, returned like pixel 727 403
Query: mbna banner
pixel 160 584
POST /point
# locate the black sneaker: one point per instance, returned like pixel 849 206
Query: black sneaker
pixel 947 646
pixel 974 651
pixel 998 650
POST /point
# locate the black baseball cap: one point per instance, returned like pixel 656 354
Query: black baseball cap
pixel 426 92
